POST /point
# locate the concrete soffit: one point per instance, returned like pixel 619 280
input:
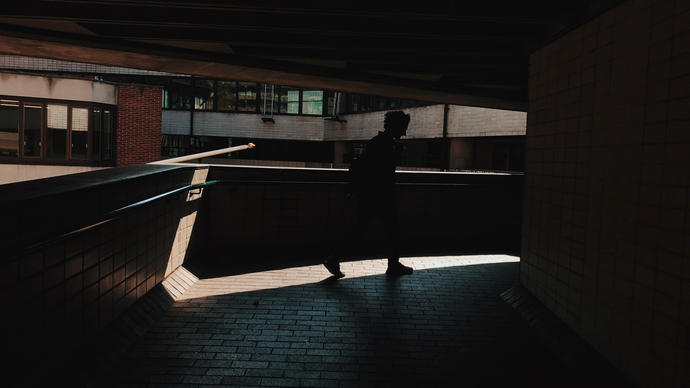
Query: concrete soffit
pixel 71 47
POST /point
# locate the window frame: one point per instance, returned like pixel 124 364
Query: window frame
pixel 68 161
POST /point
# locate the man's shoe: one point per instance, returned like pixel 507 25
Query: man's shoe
pixel 398 269
pixel 333 266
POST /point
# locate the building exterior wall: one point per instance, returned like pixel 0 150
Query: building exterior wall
pixel 469 121
pixel 138 124
pixel 10 173
pixel 605 233
pixel 250 125
pixel 426 122
pixel 46 87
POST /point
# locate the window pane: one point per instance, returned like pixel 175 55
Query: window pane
pixel 175 145
pixel 364 104
pixel 178 94
pixel 330 98
pixel 108 125
pixel 354 105
pixel 289 100
pixel 406 103
pixel 56 132
pixel 269 99
pixel 9 128
pixel 33 115
pixel 80 133
pixel 227 98
pixel 312 102
pixel 203 94
pixel 380 103
pixel 246 96
pixel 96 118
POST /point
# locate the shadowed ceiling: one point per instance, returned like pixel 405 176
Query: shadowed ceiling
pixel 469 53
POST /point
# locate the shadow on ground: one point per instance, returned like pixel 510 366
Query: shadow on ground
pixel 443 327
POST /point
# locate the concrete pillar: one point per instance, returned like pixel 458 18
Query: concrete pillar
pixel 461 154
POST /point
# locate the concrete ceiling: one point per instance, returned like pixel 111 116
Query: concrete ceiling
pixel 467 53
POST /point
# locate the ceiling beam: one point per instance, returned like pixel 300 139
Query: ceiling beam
pixel 74 47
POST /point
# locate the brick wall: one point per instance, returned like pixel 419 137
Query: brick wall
pixel 139 114
pixel 606 234
pixel 60 296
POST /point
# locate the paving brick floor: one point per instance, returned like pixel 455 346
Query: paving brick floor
pixel 444 325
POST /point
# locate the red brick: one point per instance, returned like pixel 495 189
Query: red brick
pixel 138 124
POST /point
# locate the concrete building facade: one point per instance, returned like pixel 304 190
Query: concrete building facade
pixel 291 126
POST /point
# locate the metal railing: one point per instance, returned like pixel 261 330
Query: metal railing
pixel 200 155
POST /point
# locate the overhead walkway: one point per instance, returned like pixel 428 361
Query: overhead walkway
pixel 196 275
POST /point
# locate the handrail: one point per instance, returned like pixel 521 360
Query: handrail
pixel 115 214
pixel 205 154
pixel 270 182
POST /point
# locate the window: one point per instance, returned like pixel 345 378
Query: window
pixel 330 103
pixel 108 134
pixel 365 104
pixel 208 143
pixel 353 103
pixel 56 132
pixel 269 99
pixel 392 103
pixel 97 119
pixel 289 100
pixel 407 103
pixel 203 94
pixel 178 94
pixel 312 102
pixel 227 95
pixel 33 119
pixel 246 96
pixel 174 145
pixel 9 128
pixel 380 103
pixel 79 133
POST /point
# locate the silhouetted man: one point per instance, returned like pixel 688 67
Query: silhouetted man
pixel 372 180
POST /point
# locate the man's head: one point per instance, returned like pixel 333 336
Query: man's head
pixel 396 123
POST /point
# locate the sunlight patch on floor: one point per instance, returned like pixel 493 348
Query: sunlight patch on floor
pixel 315 273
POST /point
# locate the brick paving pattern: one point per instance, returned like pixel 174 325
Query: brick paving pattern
pixel 445 325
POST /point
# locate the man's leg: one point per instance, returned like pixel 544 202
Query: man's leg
pixel 363 217
pixel 391 223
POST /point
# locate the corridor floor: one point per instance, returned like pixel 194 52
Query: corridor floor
pixel 444 325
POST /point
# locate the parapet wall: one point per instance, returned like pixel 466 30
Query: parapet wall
pixel 288 214
pixel 63 291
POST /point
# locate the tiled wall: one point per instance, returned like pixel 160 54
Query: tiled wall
pixel 60 295
pixel 426 122
pixel 469 121
pixel 605 243
pixel 19 62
